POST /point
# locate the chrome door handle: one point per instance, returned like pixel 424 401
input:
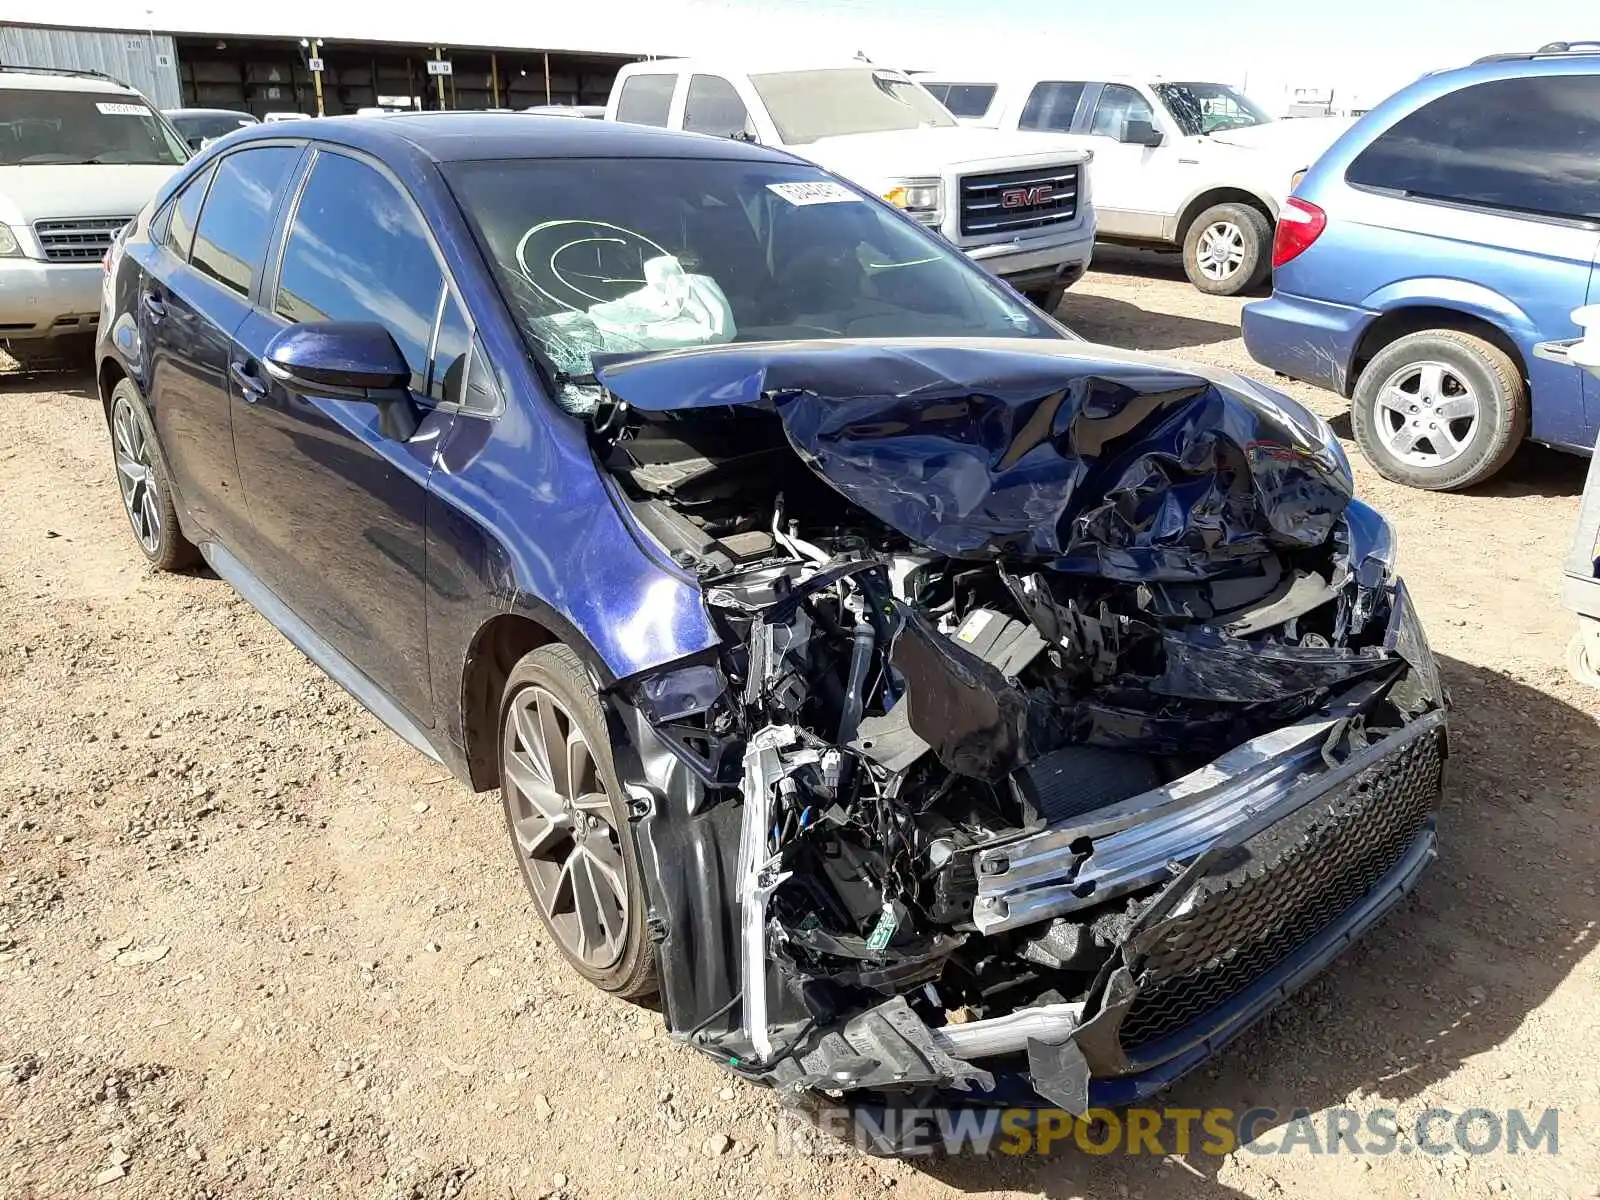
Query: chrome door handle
pixel 250 386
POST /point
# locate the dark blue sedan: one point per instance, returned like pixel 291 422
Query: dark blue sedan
pixel 918 698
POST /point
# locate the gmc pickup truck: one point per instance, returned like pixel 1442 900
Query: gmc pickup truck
pixel 1017 204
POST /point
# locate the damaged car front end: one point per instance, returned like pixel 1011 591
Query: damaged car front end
pixel 1064 714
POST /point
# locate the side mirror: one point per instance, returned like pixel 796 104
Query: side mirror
pixel 348 360
pixel 1140 133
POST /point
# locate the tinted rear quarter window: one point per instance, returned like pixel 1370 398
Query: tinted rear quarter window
pixel 1530 144
pixel 236 222
pixel 964 99
pixel 450 349
pixel 646 99
pixel 1051 105
pixel 184 212
pixel 357 251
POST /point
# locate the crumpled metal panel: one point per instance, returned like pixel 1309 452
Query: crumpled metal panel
pixel 1091 460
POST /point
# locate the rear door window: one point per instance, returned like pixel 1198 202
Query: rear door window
pixel 713 106
pixel 184 212
pixel 235 226
pixel 357 251
pixel 646 99
pixel 1052 105
pixel 1530 145
pixel 964 99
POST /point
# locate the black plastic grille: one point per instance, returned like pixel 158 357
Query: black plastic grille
pixel 1318 864
pixel 1015 201
pixel 77 239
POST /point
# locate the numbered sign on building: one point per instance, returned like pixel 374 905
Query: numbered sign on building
pixel 438 66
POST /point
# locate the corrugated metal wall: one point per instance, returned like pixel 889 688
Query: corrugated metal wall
pixel 142 60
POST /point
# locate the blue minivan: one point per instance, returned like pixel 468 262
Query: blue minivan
pixel 1428 264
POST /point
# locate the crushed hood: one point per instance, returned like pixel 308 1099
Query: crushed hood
pixel 1094 461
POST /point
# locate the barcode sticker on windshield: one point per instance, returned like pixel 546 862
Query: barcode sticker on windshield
pixel 123 110
pixel 823 192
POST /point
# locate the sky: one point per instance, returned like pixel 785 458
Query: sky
pixel 1362 45
pixel 1364 48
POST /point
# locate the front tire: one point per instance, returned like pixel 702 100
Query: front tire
pixel 144 484
pixel 1440 410
pixel 1228 249
pixel 568 820
pixel 1047 299
pixel 67 352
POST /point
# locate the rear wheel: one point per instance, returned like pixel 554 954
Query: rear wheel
pixel 1440 409
pixel 568 821
pixel 1228 249
pixel 144 484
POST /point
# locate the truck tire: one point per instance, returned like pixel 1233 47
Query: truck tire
pixel 1440 410
pixel 1228 249
pixel 1046 299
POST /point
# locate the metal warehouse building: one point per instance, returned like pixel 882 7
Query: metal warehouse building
pixel 260 74
pixel 265 58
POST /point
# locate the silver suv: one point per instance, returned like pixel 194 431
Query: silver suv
pixel 80 154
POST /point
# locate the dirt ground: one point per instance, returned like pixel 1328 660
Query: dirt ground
pixel 252 945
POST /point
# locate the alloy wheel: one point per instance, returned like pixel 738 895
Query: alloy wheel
pixel 136 478
pixel 1220 252
pixel 1426 414
pixel 563 826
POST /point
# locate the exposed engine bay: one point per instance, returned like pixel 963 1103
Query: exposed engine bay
pixel 1018 679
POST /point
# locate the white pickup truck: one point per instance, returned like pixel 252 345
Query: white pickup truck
pixel 1183 164
pixel 1017 205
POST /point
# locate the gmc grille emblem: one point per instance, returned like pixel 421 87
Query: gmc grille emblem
pixel 1027 197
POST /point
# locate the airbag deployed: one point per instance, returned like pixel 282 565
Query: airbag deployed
pixel 1091 461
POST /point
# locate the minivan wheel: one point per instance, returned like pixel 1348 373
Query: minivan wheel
pixel 1228 249
pixel 144 484
pixel 568 822
pixel 1440 410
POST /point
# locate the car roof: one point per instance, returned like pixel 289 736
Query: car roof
pixel 25 79
pixel 465 136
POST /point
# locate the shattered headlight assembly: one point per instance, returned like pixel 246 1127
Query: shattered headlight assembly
pixel 921 199
pixel 679 693
pixel 1374 547
pixel 9 246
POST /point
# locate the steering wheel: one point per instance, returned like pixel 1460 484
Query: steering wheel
pixel 576 263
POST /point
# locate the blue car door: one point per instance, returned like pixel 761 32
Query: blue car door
pixel 191 306
pixel 185 319
pixel 338 507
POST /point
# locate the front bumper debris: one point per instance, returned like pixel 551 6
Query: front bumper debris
pixel 1067 714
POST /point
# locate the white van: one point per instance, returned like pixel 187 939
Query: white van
pixel 1184 164
pixel 80 154
pixel 1019 205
